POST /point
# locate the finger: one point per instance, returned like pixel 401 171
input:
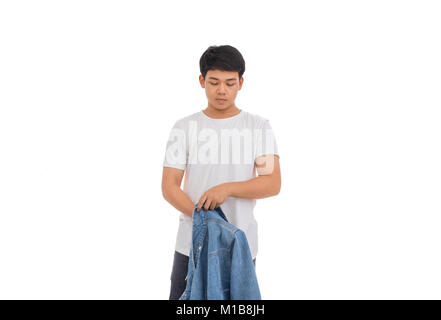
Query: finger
pixel 213 205
pixel 207 204
pixel 201 202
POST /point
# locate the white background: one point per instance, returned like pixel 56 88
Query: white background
pixel 89 91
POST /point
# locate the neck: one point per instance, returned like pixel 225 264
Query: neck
pixel 220 114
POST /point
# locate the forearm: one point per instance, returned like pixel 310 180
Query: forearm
pixel 179 199
pixel 256 188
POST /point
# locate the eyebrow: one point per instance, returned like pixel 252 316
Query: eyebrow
pixel 213 78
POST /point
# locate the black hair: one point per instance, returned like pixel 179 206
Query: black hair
pixel 224 58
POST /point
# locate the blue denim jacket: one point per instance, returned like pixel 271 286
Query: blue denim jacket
pixel 220 265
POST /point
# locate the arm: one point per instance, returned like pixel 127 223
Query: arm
pixel 266 184
pixel 172 192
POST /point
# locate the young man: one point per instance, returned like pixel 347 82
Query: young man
pixel 199 145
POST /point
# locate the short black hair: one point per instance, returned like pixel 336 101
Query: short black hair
pixel 224 58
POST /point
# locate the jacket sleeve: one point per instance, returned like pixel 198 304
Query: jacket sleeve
pixel 243 280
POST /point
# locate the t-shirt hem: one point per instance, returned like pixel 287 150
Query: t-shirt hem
pixel 185 254
pixel 175 166
pixel 181 252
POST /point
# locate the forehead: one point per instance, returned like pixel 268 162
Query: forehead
pixel 222 75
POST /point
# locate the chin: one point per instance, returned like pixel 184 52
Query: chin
pixel 220 107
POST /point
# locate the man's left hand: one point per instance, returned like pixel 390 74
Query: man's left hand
pixel 214 197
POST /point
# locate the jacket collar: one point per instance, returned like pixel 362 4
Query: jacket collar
pixel 202 215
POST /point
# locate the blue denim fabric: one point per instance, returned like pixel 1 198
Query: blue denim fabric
pixel 220 265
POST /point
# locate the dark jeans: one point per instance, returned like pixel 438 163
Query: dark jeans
pixel 179 272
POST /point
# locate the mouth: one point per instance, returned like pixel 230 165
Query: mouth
pixel 221 100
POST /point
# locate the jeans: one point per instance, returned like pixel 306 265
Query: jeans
pixel 179 272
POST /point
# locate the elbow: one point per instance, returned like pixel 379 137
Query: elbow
pixel 275 190
pixel 278 190
pixel 164 191
pixel 271 186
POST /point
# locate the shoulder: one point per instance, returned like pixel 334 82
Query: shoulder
pixel 255 120
pixel 183 122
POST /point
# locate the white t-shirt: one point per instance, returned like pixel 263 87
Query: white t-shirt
pixel 215 151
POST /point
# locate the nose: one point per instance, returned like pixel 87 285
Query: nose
pixel 221 88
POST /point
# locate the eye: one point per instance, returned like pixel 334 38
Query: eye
pixel 215 84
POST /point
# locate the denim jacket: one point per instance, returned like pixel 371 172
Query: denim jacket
pixel 220 265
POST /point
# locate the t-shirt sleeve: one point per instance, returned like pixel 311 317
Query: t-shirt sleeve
pixel 176 152
pixel 265 141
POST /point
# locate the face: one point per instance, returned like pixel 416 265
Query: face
pixel 221 85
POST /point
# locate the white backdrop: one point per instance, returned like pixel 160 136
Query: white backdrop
pixel 89 91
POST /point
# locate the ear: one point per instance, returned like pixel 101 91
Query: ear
pixel 240 83
pixel 202 81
